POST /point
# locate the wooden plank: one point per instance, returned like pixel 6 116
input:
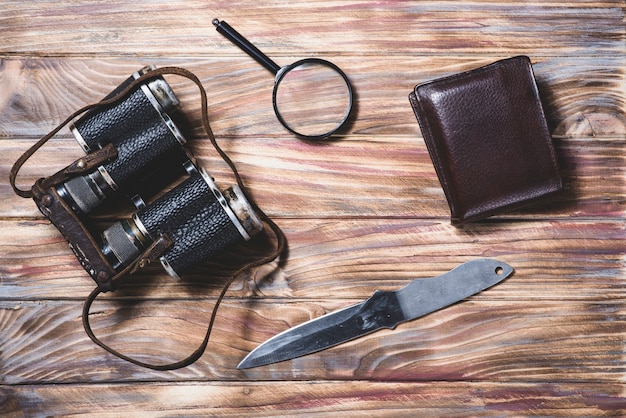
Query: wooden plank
pixel 564 260
pixel 583 96
pixel 477 340
pixel 173 29
pixel 548 293
pixel 391 177
pixel 259 399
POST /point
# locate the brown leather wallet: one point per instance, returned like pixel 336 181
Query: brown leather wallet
pixel 487 136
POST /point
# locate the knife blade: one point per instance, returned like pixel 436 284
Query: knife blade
pixel 384 309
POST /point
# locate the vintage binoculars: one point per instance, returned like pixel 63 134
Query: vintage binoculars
pixel 135 150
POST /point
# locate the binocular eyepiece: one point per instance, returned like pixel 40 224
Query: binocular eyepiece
pixel 198 219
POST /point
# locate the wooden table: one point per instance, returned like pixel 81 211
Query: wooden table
pixel 362 212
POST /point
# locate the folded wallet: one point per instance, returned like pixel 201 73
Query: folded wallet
pixel 488 139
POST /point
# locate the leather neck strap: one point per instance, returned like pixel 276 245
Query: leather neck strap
pixel 279 235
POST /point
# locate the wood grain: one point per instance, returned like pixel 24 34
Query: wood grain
pixel 343 398
pixel 582 95
pixel 353 258
pixel 361 28
pixel 391 177
pixel 361 213
pixel 478 340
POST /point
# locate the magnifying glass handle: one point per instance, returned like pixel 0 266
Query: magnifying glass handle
pixel 245 45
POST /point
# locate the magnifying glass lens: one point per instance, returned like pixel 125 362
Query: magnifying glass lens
pixel 312 99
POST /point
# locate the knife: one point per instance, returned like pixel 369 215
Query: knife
pixel 384 309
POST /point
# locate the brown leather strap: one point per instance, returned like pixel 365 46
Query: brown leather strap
pixel 280 237
pixel 83 165
pixel 29 153
pixel 190 359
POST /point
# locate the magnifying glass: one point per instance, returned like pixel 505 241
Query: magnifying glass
pixel 312 97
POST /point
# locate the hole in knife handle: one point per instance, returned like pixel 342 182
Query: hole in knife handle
pixel 499 270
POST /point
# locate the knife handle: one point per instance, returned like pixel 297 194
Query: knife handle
pixel 423 296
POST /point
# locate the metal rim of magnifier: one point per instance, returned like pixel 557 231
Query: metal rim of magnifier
pixel 284 71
